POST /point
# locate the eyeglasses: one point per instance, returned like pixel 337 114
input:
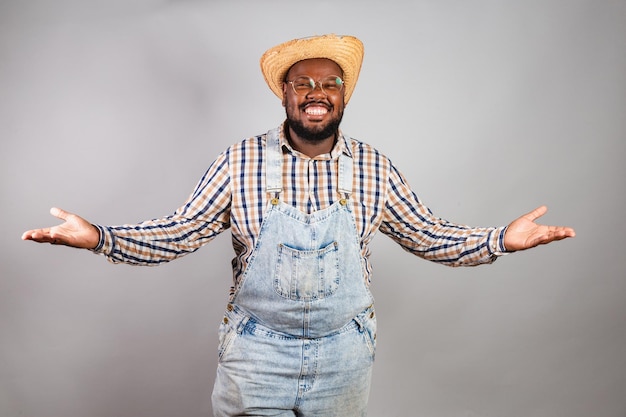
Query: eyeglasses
pixel 304 85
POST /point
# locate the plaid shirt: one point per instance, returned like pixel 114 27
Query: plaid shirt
pixel 232 194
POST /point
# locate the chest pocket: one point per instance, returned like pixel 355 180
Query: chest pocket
pixel 307 275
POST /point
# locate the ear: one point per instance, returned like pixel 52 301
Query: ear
pixel 284 101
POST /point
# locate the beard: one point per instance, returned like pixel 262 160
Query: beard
pixel 318 132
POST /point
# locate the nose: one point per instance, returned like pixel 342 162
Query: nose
pixel 317 89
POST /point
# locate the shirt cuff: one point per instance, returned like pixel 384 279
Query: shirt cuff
pixel 105 244
pixel 496 242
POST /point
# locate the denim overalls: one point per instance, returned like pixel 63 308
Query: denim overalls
pixel 298 337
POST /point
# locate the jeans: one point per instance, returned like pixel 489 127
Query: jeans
pixel 262 372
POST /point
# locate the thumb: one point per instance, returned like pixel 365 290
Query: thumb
pixel 536 213
pixel 59 213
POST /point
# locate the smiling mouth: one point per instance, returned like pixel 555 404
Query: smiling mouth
pixel 315 110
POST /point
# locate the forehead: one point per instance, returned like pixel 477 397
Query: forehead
pixel 315 66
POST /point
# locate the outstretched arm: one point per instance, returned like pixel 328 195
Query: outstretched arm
pixel 524 233
pixel 74 231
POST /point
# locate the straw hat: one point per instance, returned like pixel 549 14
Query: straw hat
pixel 346 51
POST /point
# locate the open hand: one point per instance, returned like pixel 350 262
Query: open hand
pixel 75 231
pixel 524 233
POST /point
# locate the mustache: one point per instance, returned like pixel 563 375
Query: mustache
pixel 317 103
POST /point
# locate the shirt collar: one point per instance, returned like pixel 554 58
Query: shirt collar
pixel 341 145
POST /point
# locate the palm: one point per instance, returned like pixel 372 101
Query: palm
pixel 74 231
pixel 524 233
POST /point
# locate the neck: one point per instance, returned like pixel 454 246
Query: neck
pixel 310 148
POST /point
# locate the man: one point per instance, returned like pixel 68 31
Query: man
pixel 302 201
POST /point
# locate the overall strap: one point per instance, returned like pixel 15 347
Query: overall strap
pixel 345 174
pixel 273 163
pixel 274 173
pixel 346 171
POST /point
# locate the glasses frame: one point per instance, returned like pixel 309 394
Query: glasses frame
pixel 314 85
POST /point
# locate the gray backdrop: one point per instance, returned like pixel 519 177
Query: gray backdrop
pixel 113 109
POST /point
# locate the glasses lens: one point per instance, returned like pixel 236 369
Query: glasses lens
pixel 303 85
pixel 331 84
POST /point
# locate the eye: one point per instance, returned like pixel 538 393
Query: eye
pixel 303 83
pixel 332 84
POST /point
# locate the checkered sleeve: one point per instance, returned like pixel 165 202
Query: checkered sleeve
pixel 204 215
pixel 412 225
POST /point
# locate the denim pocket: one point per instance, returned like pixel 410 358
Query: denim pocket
pixel 305 275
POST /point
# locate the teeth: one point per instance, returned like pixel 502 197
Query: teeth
pixel 316 111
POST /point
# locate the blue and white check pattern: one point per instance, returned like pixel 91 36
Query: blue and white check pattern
pixel 232 194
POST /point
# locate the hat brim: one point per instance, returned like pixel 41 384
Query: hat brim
pixel 346 51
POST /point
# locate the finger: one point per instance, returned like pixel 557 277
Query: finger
pixel 536 213
pixel 37 235
pixel 564 232
pixel 555 233
pixel 59 213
